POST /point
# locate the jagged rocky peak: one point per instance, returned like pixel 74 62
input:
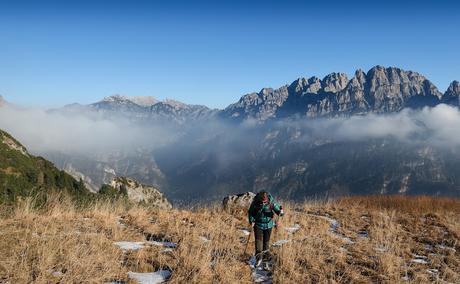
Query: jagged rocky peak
pixel 452 95
pixel 139 100
pixel 174 103
pixel 358 81
pixel 454 87
pixel 114 98
pixel 143 100
pixel 331 83
pixel 395 82
pixel 138 192
pixel 334 82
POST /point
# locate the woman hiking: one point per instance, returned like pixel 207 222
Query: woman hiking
pixel 260 215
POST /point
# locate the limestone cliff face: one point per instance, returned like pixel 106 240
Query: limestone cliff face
pixel 141 193
pixel 380 90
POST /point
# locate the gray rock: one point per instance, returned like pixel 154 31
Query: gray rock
pixel 334 82
pixel 262 105
pixel 452 95
pixel 141 193
pixel 239 201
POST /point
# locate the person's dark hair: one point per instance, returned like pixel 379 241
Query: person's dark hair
pixel 260 197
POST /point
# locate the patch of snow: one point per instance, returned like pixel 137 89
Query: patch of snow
pixel 129 245
pixel 405 278
pixel 419 256
pixel 419 259
pixel 55 273
pixel 163 244
pixel 167 250
pixel 204 239
pixel 381 249
pixel 245 232
pixel 432 271
pixel 280 243
pixel 344 250
pixel 120 222
pixel 428 247
pixel 443 247
pixel 259 275
pixel 334 226
pixel 346 239
pixel 159 276
pixel 293 229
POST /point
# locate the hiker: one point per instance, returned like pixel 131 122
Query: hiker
pixel 260 215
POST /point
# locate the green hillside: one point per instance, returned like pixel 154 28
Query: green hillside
pixel 22 174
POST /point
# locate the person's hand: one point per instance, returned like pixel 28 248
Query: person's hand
pixel 252 224
pixel 281 211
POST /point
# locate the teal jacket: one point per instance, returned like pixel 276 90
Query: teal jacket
pixel 263 217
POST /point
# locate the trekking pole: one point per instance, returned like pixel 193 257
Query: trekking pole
pixel 249 238
pixel 277 223
pixel 276 227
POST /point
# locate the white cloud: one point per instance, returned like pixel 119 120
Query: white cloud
pixel 43 131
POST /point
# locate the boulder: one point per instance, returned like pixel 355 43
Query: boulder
pixel 138 192
pixel 238 201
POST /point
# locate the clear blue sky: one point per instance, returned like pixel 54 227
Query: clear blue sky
pixel 212 52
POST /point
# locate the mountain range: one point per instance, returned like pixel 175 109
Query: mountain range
pixel 259 142
pixel 380 90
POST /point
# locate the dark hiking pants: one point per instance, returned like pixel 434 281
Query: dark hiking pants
pixel 262 242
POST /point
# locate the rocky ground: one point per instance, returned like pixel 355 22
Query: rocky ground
pixel 352 240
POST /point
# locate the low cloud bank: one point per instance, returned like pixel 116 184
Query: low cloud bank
pixel 43 131
pixel 438 126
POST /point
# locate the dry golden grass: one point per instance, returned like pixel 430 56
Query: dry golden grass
pixel 63 244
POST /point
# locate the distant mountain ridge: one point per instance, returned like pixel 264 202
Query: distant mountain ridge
pixel 144 109
pixel 380 90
